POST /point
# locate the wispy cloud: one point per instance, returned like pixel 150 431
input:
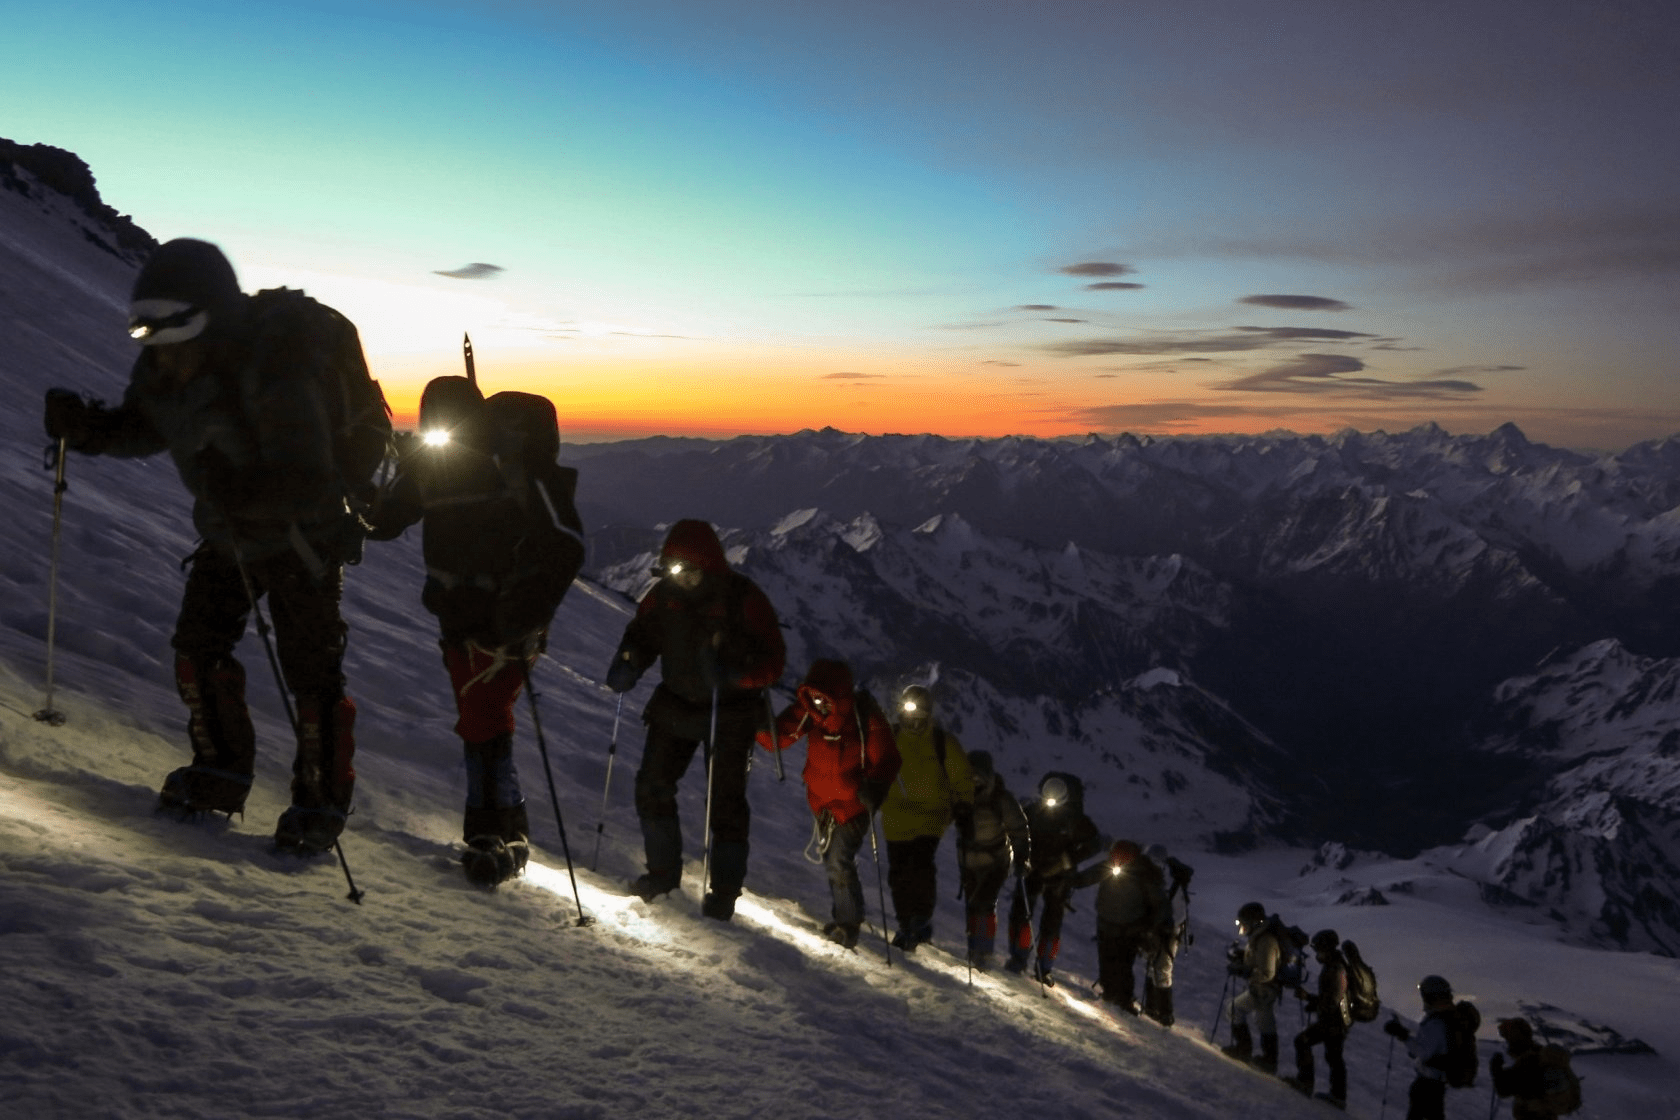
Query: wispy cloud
pixel 1297 303
pixel 478 270
pixel 1066 320
pixel 1466 371
pixel 1035 307
pixel 1328 373
pixel 1000 362
pixel 1097 268
pixel 1201 342
pixel 845 375
pixel 1114 286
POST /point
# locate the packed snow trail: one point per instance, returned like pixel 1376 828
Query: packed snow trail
pixel 156 967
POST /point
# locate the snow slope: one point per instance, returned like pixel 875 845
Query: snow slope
pixel 153 968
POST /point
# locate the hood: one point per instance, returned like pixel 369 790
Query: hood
pixel 831 680
pixel 694 542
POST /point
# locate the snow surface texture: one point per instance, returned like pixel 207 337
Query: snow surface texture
pixel 150 967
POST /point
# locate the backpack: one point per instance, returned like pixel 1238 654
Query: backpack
pixel 1362 985
pixel 503 541
pixel 1559 1084
pixel 356 406
pixel 550 552
pixel 1292 955
pixel 1461 1061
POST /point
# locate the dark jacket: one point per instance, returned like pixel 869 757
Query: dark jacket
pixel 1132 903
pixel 1000 827
pixel 1330 1005
pixel 1062 837
pixel 251 436
pixel 725 633
pixel 1524 1081
pixel 845 748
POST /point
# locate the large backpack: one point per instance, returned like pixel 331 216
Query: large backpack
pixel 551 553
pixel 502 541
pixel 359 415
pixel 1560 1087
pixel 1461 1060
pixel 1292 954
pixel 1362 985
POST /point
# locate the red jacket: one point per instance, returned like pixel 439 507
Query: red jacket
pixel 839 756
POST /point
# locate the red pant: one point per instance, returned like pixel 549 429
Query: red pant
pixel 486 684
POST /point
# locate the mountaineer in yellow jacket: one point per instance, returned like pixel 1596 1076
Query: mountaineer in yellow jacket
pixel 934 787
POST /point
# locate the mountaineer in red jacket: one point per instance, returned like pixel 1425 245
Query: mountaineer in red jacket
pixel 720 647
pixel 850 760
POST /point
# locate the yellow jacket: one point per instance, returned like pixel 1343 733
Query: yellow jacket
pixel 920 801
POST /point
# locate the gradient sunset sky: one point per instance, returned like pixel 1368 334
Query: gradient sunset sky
pixel 1047 218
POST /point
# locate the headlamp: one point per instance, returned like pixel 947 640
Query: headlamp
pixel 436 437
pixel 910 706
pixel 156 322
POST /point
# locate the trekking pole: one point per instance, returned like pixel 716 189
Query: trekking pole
pixel 1032 951
pixel 1386 1074
pixel 1493 1096
pixel 50 714
pixel 880 884
pixel 286 697
pixel 612 751
pixel 559 820
pixel 770 714
pixel 711 769
pixel 1219 1013
pixel 874 847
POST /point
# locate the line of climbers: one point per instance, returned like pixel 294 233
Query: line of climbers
pixel 1269 958
pixel 280 435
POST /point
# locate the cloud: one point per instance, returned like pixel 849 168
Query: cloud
pixel 1297 303
pixel 1097 268
pixel 1065 320
pixel 1207 342
pixel 1114 286
pixel 998 362
pixel 1326 373
pixel 848 376
pixel 1035 307
pixel 478 270
pixel 1295 333
pixel 1461 371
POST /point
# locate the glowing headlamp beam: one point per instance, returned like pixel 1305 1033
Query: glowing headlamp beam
pixel 436 437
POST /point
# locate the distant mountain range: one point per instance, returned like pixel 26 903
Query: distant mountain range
pixel 1347 623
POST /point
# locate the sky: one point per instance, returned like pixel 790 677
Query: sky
pixel 1050 219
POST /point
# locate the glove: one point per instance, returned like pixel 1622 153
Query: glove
pixel 963 815
pixel 1022 867
pixel 68 417
pixel 1238 969
pixel 871 794
pixel 1397 1029
pixel 1496 1063
pixel 622 675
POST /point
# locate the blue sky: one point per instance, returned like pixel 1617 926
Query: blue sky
pixel 754 217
